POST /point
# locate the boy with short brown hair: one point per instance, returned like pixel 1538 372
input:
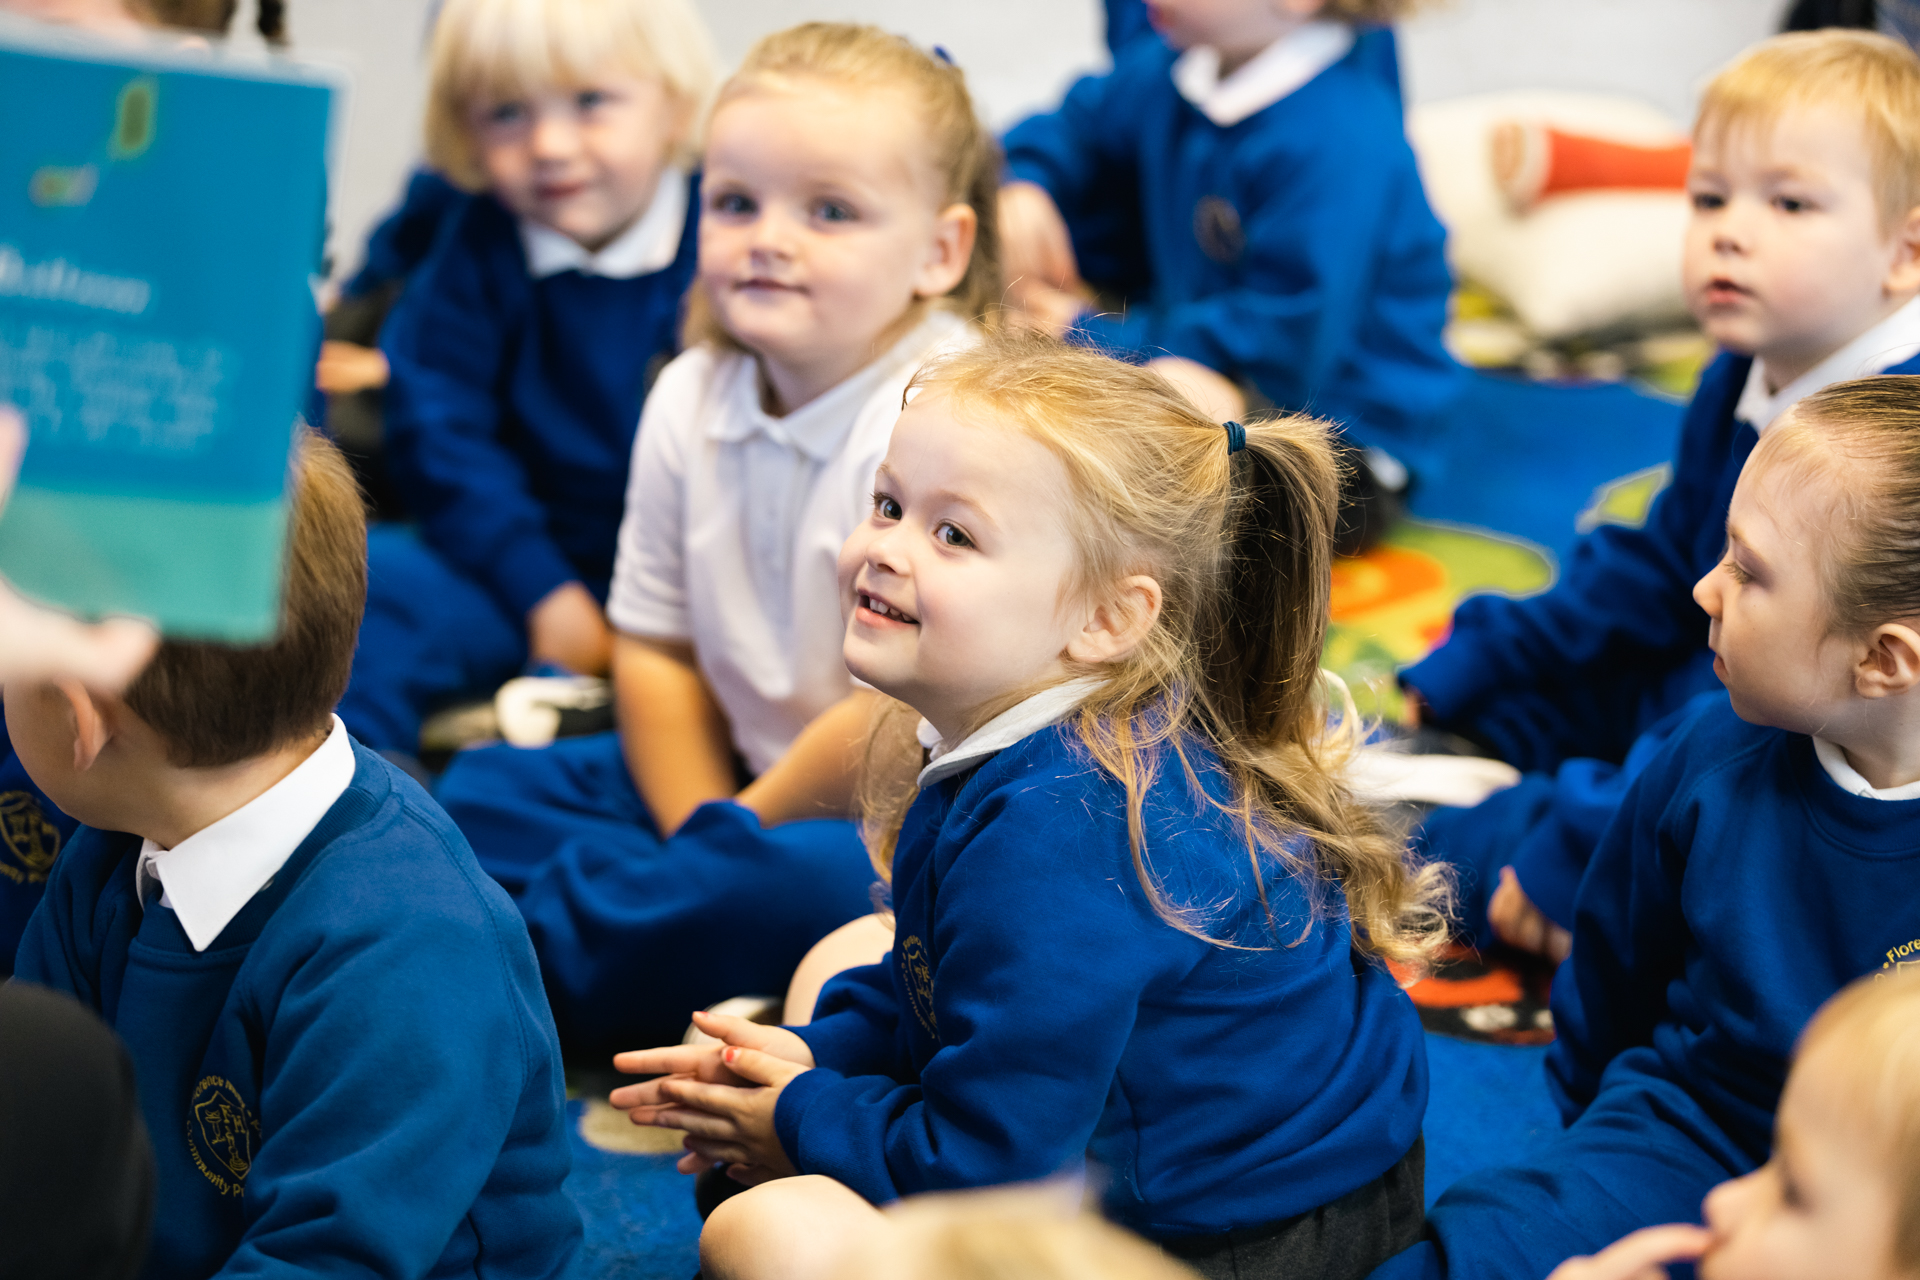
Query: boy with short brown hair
pixel 345 1053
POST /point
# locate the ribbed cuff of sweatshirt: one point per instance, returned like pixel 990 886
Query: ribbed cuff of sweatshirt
pixel 843 1148
pixel 529 572
pixel 1451 679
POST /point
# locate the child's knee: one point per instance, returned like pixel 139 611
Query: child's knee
pixel 867 940
pixel 795 1228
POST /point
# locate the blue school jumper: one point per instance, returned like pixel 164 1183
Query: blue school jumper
pixel 405 236
pixel 1737 889
pixel 359 1073
pixel 1126 21
pixel 1564 685
pixel 510 420
pixel 1294 249
pixel 1037 1012
pixel 33 831
pixel 626 923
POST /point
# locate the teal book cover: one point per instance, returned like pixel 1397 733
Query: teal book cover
pixel 162 214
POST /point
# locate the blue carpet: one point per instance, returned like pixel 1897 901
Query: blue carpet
pixel 1489 1104
pixel 1524 458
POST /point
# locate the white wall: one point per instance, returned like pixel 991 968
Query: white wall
pixel 1020 54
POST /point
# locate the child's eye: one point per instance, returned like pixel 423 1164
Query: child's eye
pixel 506 113
pixel 833 211
pixel 1791 204
pixel 950 536
pixel 1737 573
pixel 885 507
pixel 1707 201
pixel 588 99
pixel 734 203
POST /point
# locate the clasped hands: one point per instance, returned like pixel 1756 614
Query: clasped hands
pixel 721 1095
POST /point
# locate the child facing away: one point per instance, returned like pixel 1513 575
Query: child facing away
pixel 1803 263
pixel 848 236
pixel 1840 1195
pixel 1140 921
pixel 521 350
pixel 1767 857
pixel 1271 231
pixel 344 1054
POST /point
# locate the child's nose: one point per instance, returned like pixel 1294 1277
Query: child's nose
pixel 554 136
pixel 1706 594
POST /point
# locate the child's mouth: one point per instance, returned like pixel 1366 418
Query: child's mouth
pixel 1721 291
pixel 881 609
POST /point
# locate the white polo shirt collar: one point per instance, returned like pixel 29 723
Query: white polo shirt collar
pixel 1048 707
pixel 817 427
pixel 1270 75
pixel 1841 770
pixel 649 245
pixel 1893 340
pixel 208 877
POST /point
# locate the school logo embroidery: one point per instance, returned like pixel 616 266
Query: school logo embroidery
pixel 1217 229
pixel 33 841
pixel 917 969
pixel 221 1135
pixel 1904 958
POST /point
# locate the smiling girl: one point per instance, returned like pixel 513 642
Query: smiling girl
pixel 847 235
pixel 523 346
pixel 1140 922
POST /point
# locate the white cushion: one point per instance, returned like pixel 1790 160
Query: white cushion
pixel 1576 263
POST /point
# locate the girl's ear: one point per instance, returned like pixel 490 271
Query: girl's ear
pixel 1115 628
pixel 1891 664
pixel 90 728
pixel 947 257
pixel 1903 275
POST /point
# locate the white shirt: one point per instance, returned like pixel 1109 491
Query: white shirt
pixel 1893 340
pixel 209 876
pixel 1849 779
pixel 649 245
pixel 1049 706
pixel 1263 79
pixel 734 523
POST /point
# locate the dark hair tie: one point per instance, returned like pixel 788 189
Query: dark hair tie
pixel 1236 436
pixel 940 52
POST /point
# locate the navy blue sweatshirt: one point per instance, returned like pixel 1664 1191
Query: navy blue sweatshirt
pixel 402 240
pixel 1037 1011
pixel 1738 887
pixel 1294 249
pixel 359 1074
pixel 511 412
pixel 32 833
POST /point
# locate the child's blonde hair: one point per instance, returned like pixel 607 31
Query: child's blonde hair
pixel 1004 1235
pixel 1869 1037
pixel 1878 75
pixel 1241 545
pixel 1862 439
pixel 1369 12
pixel 499 48
pixel 960 149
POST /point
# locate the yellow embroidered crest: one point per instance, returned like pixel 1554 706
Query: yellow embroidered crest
pixel 221 1134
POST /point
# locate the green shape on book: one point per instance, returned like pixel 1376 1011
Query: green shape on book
pixel 208 570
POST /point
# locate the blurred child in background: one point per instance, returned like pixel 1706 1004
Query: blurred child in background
pixel 1141 924
pixel 1840 1195
pixel 1282 246
pixel 522 349
pixel 1803 263
pixel 1768 856
pixel 847 236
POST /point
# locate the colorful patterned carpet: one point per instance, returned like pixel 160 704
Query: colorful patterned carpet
pixel 1526 467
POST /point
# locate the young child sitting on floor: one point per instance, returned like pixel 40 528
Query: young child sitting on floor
pixel 1803 263
pixel 848 236
pixel 1140 921
pixel 345 1058
pixel 1840 1195
pixel 1272 231
pixel 1767 857
pixel 521 350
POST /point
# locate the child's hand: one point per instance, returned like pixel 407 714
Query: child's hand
pixel 568 630
pixel 1518 923
pixel 1640 1256
pixel 1413 707
pixel 346 367
pixel 1035 246
pixel 730 1124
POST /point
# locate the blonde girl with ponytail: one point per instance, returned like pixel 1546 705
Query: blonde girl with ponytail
pixel 1141 925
